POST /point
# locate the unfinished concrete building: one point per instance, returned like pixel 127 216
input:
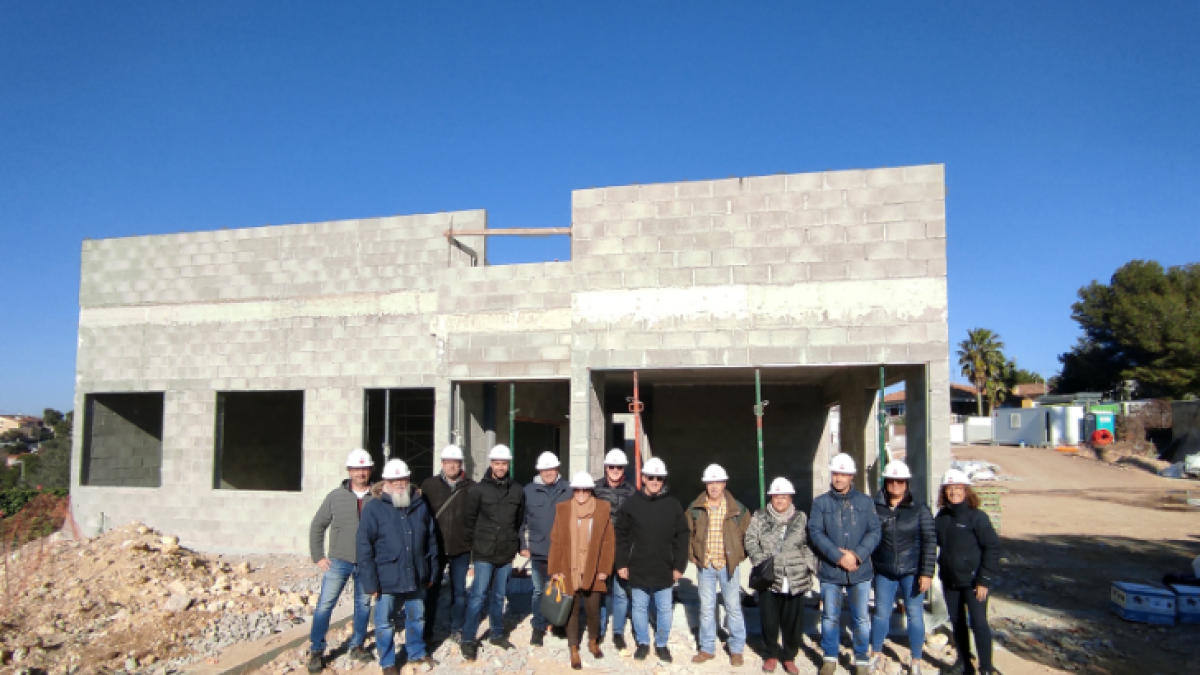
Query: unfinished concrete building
pixel 224 375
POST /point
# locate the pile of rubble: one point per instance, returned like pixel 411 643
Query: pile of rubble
pixel 132 600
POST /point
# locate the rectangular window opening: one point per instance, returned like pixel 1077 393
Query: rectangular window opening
pixel 122 441
pixel 398 424
pixel 259 440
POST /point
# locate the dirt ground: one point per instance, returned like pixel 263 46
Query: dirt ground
pixel 1072 525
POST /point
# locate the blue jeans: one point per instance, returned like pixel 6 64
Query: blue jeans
pixel 332 584
pixel 831 615
pixel 641 614
pixel 731 592
pixel 414 626
pixel 616 604
pixel 487 576
pixel 914 610
pixel 540 578
pixel 459 564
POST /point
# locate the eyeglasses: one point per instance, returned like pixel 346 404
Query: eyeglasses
pixel 654 479
pixel 615 468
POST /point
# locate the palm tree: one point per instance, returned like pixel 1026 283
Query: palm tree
pixel 982 360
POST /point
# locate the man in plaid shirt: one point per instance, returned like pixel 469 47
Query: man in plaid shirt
pixel 718 525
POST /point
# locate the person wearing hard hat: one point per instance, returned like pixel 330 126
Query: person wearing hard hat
pixel 904 562
pixel 447 496
pixel 652 549
pixel 339 514
pixel 397 552
pixel 718 525
pixel 615 487
pixel 968 565
pixel 581 553
pixel 546 492
pixel 780 531
pixel 844 531
pixel 495 511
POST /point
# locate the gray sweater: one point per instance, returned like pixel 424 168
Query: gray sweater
pixel 338 514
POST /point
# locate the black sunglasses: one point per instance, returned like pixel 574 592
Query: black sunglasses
pixel 656 479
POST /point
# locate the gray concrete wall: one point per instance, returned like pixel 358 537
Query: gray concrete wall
pixel 842 268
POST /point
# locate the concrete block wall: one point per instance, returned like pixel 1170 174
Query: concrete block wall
pixel 838 268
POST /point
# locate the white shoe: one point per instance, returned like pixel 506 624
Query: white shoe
pixel 915 668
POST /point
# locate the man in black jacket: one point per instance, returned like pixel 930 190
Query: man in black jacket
pixel 447 497
pixel 652 553
pixel 614 487
pixel 495 509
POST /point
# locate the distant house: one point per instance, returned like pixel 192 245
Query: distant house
pixel 1023 395
pixel 962 401
pixel 30 427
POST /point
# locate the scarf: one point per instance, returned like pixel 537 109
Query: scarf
pixel 785 516
pixel 581 536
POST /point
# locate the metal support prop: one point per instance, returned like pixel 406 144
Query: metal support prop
pixel 512 416
pixel 387 425
pixel 759 409
pixel 636 407
pixel 882 429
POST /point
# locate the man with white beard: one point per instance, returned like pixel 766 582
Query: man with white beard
pixel 397 552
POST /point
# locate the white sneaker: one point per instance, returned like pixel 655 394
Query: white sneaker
pixel 915 668
pixel 876 663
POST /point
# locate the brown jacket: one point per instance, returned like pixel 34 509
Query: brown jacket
pixel 601 547
pixel 737 521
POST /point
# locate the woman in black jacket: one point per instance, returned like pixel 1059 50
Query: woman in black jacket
pixel 904 561
pixel 969 564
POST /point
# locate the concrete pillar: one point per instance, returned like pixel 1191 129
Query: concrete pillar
pixel 444 409
pixel 587 421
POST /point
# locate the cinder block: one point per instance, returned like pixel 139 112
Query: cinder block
pixel 657 192
pixel 850 354
pixel 693 259
pixel 900 269
pixel 713 275
pixel 836 180
pixel 928 173
pixel 750 239
pixel 927 210
pixel 605 246
pixel 673 209
pixel 776 183
pixel 748 203
pixel 845 216
pixel 772 355
pixel 767 256
pixel 864 233
pixel 640 278
pixel 622 228
pixel 829 271
pixel 827 199
pixel 693 189
pixel 804 182
pixel 825 337
pixel 905 230
pixel 752 274
pixel 789 273
pixel 621 195
pixel 678 278
pixel 926 248
pixel 936 268
pixel 735 222
pixel 904 193
pixel 805 254
pixel 885 250
pixel 731 256
pixel 881 177
pixel 843 252
pixel 864 197
pixel 787 238
pixel 728 187
pixel 639 210
pixel 867 269
pixel 677 242
pixel 592 214
pixel 679 340
pixel 935 229
pixel 712 206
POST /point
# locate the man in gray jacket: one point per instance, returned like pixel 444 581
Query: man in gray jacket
pixel 339 514
pixel 546 492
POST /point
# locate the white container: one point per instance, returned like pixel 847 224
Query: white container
pixel 1187 603
pixel 1143 603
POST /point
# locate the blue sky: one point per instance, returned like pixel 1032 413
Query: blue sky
pixel 1070 130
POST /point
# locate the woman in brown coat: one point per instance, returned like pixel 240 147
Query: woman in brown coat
pixel 581 545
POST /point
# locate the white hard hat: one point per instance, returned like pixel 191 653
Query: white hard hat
pixel 359 459
pixel 546 460
pixel 898 470
pixel 654 467
pixel 781 486
pixel 452 452
pixel 955 477
pixel 582 481
pixel 714 474
pixel 842 463
pixel 395 468
pixel 500 452
pixel 616 457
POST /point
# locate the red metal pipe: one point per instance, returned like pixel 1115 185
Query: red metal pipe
pixel 636 407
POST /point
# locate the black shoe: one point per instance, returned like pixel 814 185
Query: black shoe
pixel 538 639
pixel 470 650
pixel 619 641
pixel 424 660
pixel 501 642
pixel 663 654
pixel 316 662
pixel 357 653
pixel 559 632
pixel 642 652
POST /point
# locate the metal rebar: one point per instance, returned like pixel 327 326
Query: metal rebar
pixel 759 409
pixel 882 429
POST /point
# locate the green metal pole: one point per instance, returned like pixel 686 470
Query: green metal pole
pixel 758 413
pixel 882 428
pixel 512 416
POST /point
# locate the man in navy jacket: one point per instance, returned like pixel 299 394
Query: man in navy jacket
pixel 397 552
pixel 844 531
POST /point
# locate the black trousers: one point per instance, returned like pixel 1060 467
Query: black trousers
pixel 590 602
pixel 782 613
pixel 961 603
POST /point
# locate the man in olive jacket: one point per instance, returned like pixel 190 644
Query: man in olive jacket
pixel 339 514
pixel 495 509
pixel 718 525
pixel 447 496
